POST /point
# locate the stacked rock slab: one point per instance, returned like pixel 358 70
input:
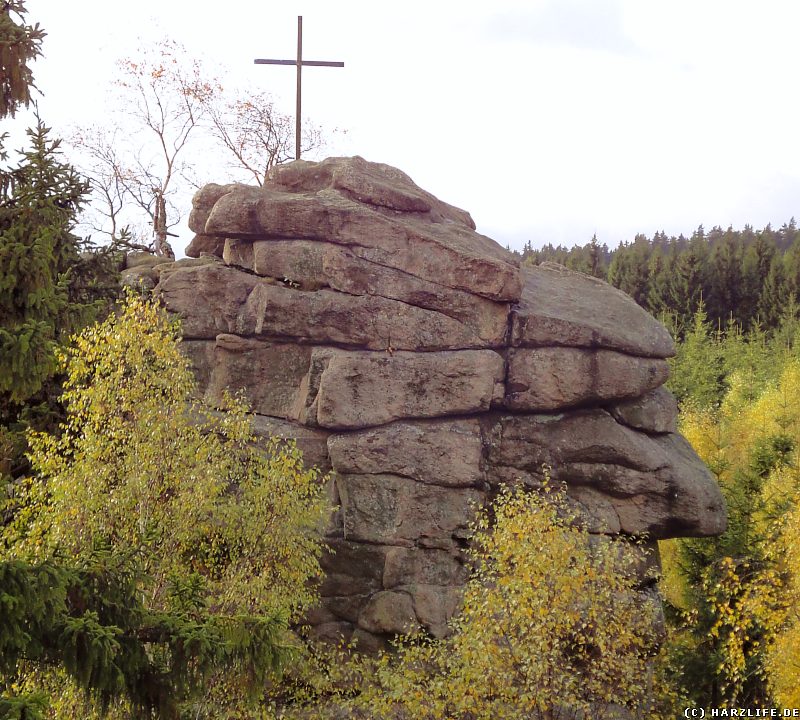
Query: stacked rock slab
pixel 416 359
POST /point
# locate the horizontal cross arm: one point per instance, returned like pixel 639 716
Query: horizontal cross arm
pixel 316 63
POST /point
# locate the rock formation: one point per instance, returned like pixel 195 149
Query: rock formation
pixel 416 359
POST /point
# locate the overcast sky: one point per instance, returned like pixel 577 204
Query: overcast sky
pixel 547 120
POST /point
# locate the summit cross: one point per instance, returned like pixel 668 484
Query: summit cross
pixel 299 63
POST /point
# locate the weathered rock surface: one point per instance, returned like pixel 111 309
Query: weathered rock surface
pixel 655 411
pixel 207 244
pixel 563 307
pixel 389 612
pixel 441 452
pixel 359 390
pixel 144 260
pixel 270 374
pixel 245 304
pixel 411 355
pixel 206 295
pixel 433 241
pixel 414 566
pixel 140 270
pixel 392 510
pixel 559 377
pixel 635 482
pixel 313 443
pixel 315 265
pixel 140 278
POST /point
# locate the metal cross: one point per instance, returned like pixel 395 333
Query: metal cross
pixel 299 63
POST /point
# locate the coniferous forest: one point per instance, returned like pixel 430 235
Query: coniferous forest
pixel 155 564
pixel 746 277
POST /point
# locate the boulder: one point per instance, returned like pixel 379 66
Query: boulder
pixel 564 307
pixel 141 277
pixel 205 245
pixel 439 452
pixel 655 411
pixel 434 606
pixel 392 510
pixel 369 321
pixel 313 443
pixel 376 184
pixel 310 265
pixel 215 299
pixel 553 378
pixel 201 356
pixel 269 374
pixel 359 390
pixel 439 245
pixel 332 631
pixel 347 607
pixel 633 481
pixel 352 568
pixel 142 259
pixel 205 199
pixel 389 612
pixel 431 566
pixel 206 295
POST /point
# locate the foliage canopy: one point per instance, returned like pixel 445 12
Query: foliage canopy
pixel 181 548
pixel 733 598
pixel 553 625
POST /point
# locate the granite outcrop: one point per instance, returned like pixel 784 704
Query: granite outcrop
pixel 417 360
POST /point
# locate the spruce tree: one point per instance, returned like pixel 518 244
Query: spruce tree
pixel 39 200
pixel 596 259
pixel 688 282
pixel 49 287
pixel 628 270
pixel 658 269
pixel 756 265
pixel 20 44
pixel 696 370
pixel 773 296
pixel 725 278
pixel 791 267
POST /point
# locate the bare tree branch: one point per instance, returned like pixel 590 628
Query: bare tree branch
pixel 257 136
pixel 171 102
pixel 168 97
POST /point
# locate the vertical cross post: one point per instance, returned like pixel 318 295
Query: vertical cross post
pixel 299 86
pixel 299 63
